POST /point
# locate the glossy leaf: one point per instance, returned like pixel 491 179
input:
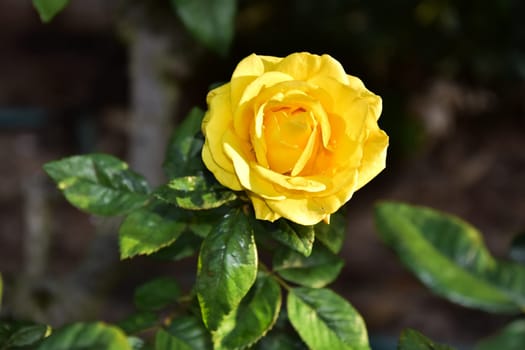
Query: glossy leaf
pixel 517 249
pixel 138 322
pixel 87 336
pixel 157 293
pixel 512 337
pixel 297 237
pixel 210 21
pixel 449 257
pixel 317 270
pixel 47 9
pixel 99 184
pixel 195 193
pixel 253 318
pixel 413 340
pixel 325 320
pixel 183 154
pixel 149 229
pixel 17 334
pixel 332 235
pixel 191 332
pixel 227 267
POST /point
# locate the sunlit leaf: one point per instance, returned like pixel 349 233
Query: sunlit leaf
pixel 449 257
pixel 325 320
pixel 413 340
pixel 227 267
pixel 210 21
pixel 253 318
pixel 317 270
pixel 47 9
pixel 512 337
pixel 157 293
pixel 87 336
pixel 99 184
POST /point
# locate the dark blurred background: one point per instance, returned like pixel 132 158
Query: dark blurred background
pixel 116 77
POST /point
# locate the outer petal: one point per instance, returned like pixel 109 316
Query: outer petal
pixel 262 210
pixel 374 157
pixel 304 211
pixel 305 66
pixel 224 177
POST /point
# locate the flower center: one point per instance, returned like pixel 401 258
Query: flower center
pixel 287 132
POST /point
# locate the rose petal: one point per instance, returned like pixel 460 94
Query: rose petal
pixel 225 177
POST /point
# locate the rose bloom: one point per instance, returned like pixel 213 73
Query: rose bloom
pixel 298 134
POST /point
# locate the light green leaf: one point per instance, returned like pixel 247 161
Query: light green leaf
pixel 99 184
pixel 332 235
pixel 87 336
pixel 157 293
pixel 138 322
pixel 17 334
pixel 325 320
pixel 210 21
pixel 195 193
pixel 449 257
pixel 149 229
pixel 227 267
pixel 413 340
pixel 191 332
pixel 317 270
pixel 47 9
pixel 253 318
pixel 183 154
pixel 297 237
pixel 512 337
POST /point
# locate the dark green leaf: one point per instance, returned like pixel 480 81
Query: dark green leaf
pixel 253 318
pixel 316 271
pixel 99 184
pixel 183 154
pixel 47 9
pixel 149 229
pixel 332 235
pixel 324 320
pixel 18 334
pixel 210 21
pixel 195 193
pixel 517 248
pixel 186 245
pixel 448 256
pixel 413 340
pixel 227 268
pixel 512 337
pixel 87 336
pixel 138 322
pixel 280 341
pixel 190 331
pixel 166 341
pixel 297 237
pixel 157 293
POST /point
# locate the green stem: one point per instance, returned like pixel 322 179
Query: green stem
pixel 275 276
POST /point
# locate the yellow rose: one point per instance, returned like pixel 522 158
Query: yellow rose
pixel 298 134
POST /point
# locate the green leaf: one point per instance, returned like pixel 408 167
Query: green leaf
pixel 185 246
pixel 517 249
pixel 136 343
pixel 149 229
pixel 332 235
pixel 297 237
pixel 19 333
pixel 325 320
pixel 195 193
pixel 138 322
pixel 157 293
pixel 209 21
pixel 99 184
pixel 191 332
pixel 183 154
pixel 87 336
pixel 279 341
pixel 166 341
pixel 512 337
pixel 47 9
pixel 413 340
pixel 253 318
pixel 449 257
pixel 317 270
pixel 227 267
